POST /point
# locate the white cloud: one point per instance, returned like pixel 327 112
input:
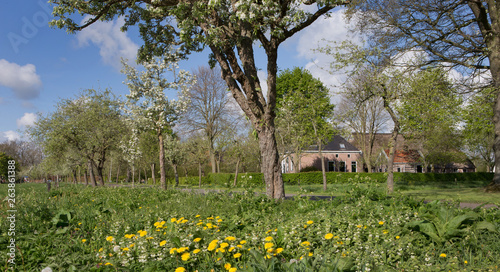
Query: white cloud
pixel 9 136
pixel 28 119
pixel 113 43
pixel 23 80
pixel 319 34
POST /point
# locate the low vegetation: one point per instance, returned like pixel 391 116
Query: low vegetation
pixel 76 228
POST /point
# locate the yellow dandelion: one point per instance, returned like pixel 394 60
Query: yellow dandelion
pixel 305 243
pixel 397 237
pixel 84 240
pixel 173 250
pixel 162 243
pixel 182 249
pixel 442 255
pixel 243 242
pixel 185 256
pixel 268 245
pixel 125 249
pixel 173 220
pixel 180 269
pixel 230 238
pixel 310 254
pixel 385 231
pixel 359 226
pixel 196 251
pixel 224 245
pixel 197 215
pixel 465 262
pixel 380 222
pixel 227 266
pixel 268 239
pixel 143 233
pixel 101 249
pixel 279 250
pixel 108 264
pixel 237 255
pixel 233 269
pixel 328 236
pixel 310 222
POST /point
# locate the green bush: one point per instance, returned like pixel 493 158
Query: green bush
pixel 225 179
pixel 426 178
pixel 333 177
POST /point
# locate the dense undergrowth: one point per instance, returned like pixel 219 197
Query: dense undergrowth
pixel 75 228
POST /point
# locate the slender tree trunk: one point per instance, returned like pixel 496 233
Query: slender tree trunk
pixel 110 168
pixel 133 175
pixel 323 170
pixel 79 173
pixel 392 148
pixel 163 179
pixel 199 174
pixel 218 163
pixel 153 173
pixel 91 174
pixel 86 178
pixel 176 175
pixel 127 180
pixel 118 173
pixel 236 172
pixel 57 181
pixel 74 175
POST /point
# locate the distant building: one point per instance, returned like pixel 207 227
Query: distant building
pixel 339 156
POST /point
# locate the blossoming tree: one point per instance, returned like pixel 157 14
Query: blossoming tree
pixel 230 29
pixel 149 107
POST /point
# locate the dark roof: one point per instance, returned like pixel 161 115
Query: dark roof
pixel 338 144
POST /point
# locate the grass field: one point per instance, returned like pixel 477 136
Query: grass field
pixel 75 228
pixel 471 192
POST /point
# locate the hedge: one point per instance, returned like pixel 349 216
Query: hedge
pixel 225 179
pixel 257 179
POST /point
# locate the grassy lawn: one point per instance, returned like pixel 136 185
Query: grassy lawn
pixel 79 228
pixel 462 192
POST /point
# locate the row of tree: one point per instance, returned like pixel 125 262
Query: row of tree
pixel 461 33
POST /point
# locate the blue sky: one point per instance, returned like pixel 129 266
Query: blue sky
pixel 40 65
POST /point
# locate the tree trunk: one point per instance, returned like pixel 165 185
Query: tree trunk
pixel 79 173
pixel 127 180
pixel 392 148
pixel 323 170
pixel 91 174
pixel 74 175
pixel 212 159
pixel 176 175
pixel 133 176
pixel 86 178
pixel 110 168
pixel 153 173
pixel 236 172
pixel 199 174
pixel 270 165
pixel 163 179
pixel 118 173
